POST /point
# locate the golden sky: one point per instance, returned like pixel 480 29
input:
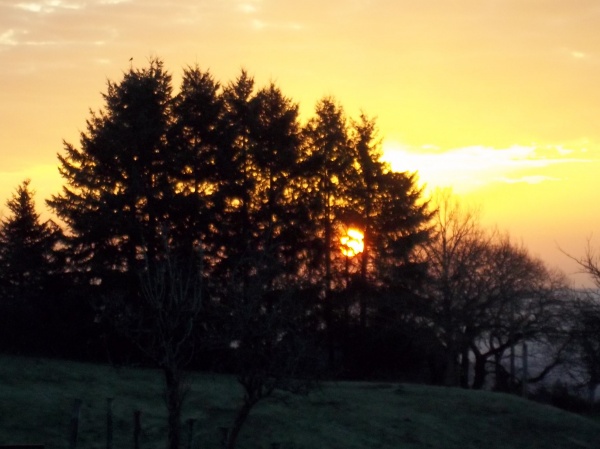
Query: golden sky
pixel 499 99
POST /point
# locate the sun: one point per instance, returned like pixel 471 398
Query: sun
pixel 352 243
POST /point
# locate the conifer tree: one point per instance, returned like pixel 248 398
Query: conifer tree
pixel 29 263
pixel 27 256
pixel 117 197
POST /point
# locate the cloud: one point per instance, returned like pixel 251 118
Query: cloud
pixel 471 167
pixel 532 179
pixel 579 55
pixel 260 25
pixel 59 23
pixel 8 38
pixel 48 6
pixel 248 8
pixel 252 8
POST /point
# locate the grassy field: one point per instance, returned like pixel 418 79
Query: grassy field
pixel 37 396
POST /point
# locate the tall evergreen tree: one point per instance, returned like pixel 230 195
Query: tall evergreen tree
pixel 198 138
pixel 126 202
pixel 29 262
pixel 260 213
pixel 118 194
pixel 275 133
pixel 389 209
pixel 328 160
pixel 27 247
pixel 236 182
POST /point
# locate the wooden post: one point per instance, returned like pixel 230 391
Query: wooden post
pixel 191 433
pixel 137 428
pixel 109 423
pixel 224 436
pixel 74 423
pixel 525 371
pixel 592 395
pixel 513 377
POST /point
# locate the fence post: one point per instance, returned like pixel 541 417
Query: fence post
pixel 191 432
pixel 109 423
pixel 74 423
pixel 137 428
pixel 525 371
pixel 224 436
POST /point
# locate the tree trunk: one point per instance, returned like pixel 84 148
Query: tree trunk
pixel 479 372
pixel 465 365
pixel 525 374
pixel 451 373
pixel 239 421
pixel 174 398
pixel 592 395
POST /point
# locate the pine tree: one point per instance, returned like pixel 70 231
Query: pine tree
pixel 27 245
pixel 29 264
pixel 118 196
pixel 328 161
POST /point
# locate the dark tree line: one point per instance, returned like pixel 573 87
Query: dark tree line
pixel 38 314
pixel 232 170
pixel 201 228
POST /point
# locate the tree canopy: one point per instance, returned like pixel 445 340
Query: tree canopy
pixel 230 167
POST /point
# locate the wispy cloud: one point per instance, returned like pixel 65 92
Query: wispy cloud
pixel 260 21
pixel 48 6
pixel 260 25
pixel 579 55
pixel 248 7
pixel 471 167
pixel 533 179
pixel 8 38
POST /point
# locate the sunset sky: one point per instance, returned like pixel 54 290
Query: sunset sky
pixel 499 99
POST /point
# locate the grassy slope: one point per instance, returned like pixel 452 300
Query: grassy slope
pixel 36 398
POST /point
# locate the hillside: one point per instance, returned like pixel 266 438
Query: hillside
pixel 37 395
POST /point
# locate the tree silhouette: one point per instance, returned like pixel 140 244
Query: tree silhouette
pixel 166 323
pixel 117 197
pixel 197 138
pixel 328 162
pixel 227 172
pixel 486 294
pixel 27 247
pixel 523 304
pixel 392 214
pixel 123 205
pixel 29 260
pixel 260 206
pixel 271 338
pixel 585 321
pixel 584 330
pixel 457 257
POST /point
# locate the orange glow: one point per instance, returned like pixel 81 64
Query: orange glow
pixel 352 242
pixel 464 106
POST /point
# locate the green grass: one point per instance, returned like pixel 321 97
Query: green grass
pixel 37 395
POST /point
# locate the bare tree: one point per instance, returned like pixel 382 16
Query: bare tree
pixel 589 263
pixel 585 343
pixel 524 305
pixel 172 295
pixel 268 332
pixel 487 294
pixel 164 323
pixel 456 257
pixel 585 323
